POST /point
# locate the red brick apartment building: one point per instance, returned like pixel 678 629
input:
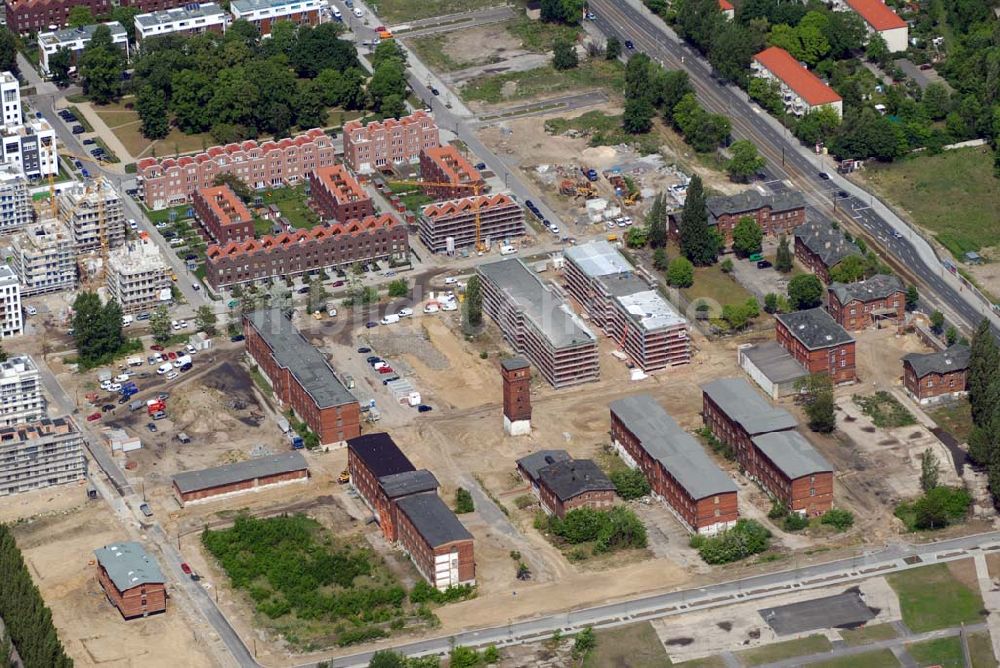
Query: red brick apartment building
pixel 562 483
pixel 821 247
pixel 818 343
pixel 765 444
pixel 444 164
pixel 644 325
pixel 679 471
pixel 336 195
pixel 538 324
pixel 409 512
pixel 380 145
pixel 131 579
pixel 776 214
pixel 265 13
pixel 301 377
pixel 223 215
pixel 299 251
pixel 270 164
pixel 932 376
pixel 857 306
pixel 26 16
pixel 500 218
pixel 249 476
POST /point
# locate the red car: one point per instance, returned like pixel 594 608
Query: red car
pixel 158 348
pixel 172 355
pixel 186 569
pixel 385 369
pixel 380 29
pixel 93 417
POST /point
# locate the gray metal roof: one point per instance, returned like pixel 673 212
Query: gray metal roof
pixel 598 258
pixel 380 454
pixel 815 328
pixel 676 449
pixel 286 462
pixel 293 352
pixel 247 6
pixel 955 358
pixel 828 243
pixel 747 407
pixel 751 200
pixel 70 35
pixel 539 460
pixel 541 305
pixel 775 362
pixel 433 519
pixel 650 311
pixel 573 477
pixel 513 363
pixel 791 453
pixel 191 11
pixel 880 286
pixel 408 482
pixel 129 565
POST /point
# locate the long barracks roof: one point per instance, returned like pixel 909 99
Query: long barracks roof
pixel 815 328
pixel 792 454
pixel 676 449
pixel 806 85
pixel 261 467
pixel 751 200
pixel 380 454
pixel 307 365
pixel 955 358
pixel 408 482
pixel 433 519
pixel 876 14
pixel 128 565
pixel 746 407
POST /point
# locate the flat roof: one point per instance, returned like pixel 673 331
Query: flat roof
pixel 747 407
pixel 598 258
pixel 650 311
pixel 542 306
pixel 293 352
pixel 806 85
pixel 247 6
pixel 791 453
pixel 513 363
pixel 129 565
pixel 261 467
pixel 433 519
pixel 775 362
pixel 191 11
pixel 665 441
pixel 380 454
pixel 58 37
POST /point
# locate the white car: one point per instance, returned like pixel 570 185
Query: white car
pixel 191 350
pixel 449 306
pixel 114 387
pixel 451 280
pixel 359 12
pixel 177 241
pixel 132 224
pixel 175 325
pixel 404 312
pixel 31 310
pixel 171 375
pixel 158 357
pixel 160 225
pixel 122 378
pixel 183 324
pixel 105 384
pixel 432 308
pixel 331 312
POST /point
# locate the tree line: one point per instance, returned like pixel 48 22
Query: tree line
pixel 983 385
pixel 28 619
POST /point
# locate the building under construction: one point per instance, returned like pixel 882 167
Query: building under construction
pixel 446 173
pixel 40 454
pixel 645 325
pixel 43 257
pixel 138 277
pixel 450 225
pixel 93 213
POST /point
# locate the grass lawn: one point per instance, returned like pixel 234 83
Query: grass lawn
pixel 542 81
pixel 712 283
pixel 539 36
pixel 955 418
pixel 981 650
pixel 605 130
pixel 784 650
pixel 412 197
pixel 181 212
pixel 954 195
pixel 931 598
pixel 882 658
pixel 430 50
pixel 707 662
pixel 398 11
pixel 634 646
pixel 944 652
pixel 868 634
pixel 292 202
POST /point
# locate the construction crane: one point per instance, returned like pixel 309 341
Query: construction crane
pixel 474 187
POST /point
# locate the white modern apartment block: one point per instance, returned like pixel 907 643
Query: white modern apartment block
pixel 40 454
pixel 11 323
pixel 92 211
pixel 138 276
pixel 10 90
pixel 879 19
pixel 190 19
pixel 801 90
pixel 30 148
pixel 15 200
pixel 20 391
pixel 74 39
pixel 44 257
pixel 263 13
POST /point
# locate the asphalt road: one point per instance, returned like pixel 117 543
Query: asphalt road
pixel 791 162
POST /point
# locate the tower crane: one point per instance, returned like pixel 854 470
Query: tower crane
pixel 476 188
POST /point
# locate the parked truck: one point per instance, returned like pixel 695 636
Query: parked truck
pixel 295 440
pixel 590 173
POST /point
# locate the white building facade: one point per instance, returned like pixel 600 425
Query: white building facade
pixel 20 391
pixel 44 257
pixel 15 201
pixel 189 19
pixel 138 276
pixel 11 322
pixel 75 39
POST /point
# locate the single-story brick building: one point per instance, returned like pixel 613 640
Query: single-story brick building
pixel 562 483
pixel 249 476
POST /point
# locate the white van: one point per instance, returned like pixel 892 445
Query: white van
pixel 359 12
pixel 166 367
pixel 181 361
pixel 337 15
pixel 127 320
pixel 389 319
pixel 507 250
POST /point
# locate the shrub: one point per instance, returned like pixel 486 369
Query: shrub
pixel 630 483
pixel 839 519
pixel 746 538
pixel 522 502
pixel 463 501
pixel 609 530
pixel 778 511
pixel 423 593
pixel 936 509
pixel 399 288
pixel 585 641
pixel 680 273
pixel 795 522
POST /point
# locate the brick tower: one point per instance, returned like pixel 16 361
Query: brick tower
pixel 516 396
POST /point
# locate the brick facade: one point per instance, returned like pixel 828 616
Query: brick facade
pixel 516 389
pixel 380 145
pixel 146 599
pixel 234 488
pixel 26 16
pixel 837 360
pixel 929 376
pixel 444 164
pixel 222 214
pixel 336 195
pixel 428 558
pixel 857 314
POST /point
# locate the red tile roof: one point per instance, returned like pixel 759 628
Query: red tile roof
pixel 805 84
pixel 876 14
pixel 455 206
pixel 726 6
pixel 352 227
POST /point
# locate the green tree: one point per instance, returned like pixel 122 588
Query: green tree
pixel 125 15
pixel 929 470
pixel 97 329
pixel 386 658
pixel 388 50
pixel 937 322
pixel 849 270
pixel 585 642
pixel 767 92
pixel 951 335
pixel 613 48
pixel 805 291
pixel 747 236
pixel 564 54
pixel 101 67
pixel 638 115
pixel 818 400
pixel 3 354
pixel 321 48
pixel 680 273
pixel 912 298
pixel 311 105
pixel 818 125
pixel 698 242
pixel 983 375
pixel 637 237
pixel 746 161
pixel 389 79
pixel 630 483
pixel 660 260
pixel 783 258
pixel 205 319
pixel 151 105
pixel 877 50
pixel 473 305
pixel 79 16
pixel 59 64
pixel 732 49
pixel 463 501
pixel 399 288
pixel 8 51
pixel 192 91
pixel 656 222
pixel 159 324
pixel 936 101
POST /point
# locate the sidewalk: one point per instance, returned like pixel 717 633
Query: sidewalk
pixel 991 601
pixel 108 136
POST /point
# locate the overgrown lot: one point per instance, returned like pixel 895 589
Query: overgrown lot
pixel 884 410
pixel 545 81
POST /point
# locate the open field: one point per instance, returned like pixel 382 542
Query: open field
pixel 943 652
pixel 882 658
pixel 714 285
pixel 544 82
pixel 867 634
pixel 981 650
pixel 539 36
pixel 635 646
pixel 292 202
pixel 397 11
pixel 953 195
pixel 784 650
pixel 123 120
pixel 955 417
pixel 932 597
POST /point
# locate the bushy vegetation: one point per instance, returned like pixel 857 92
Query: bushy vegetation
pixel 425 593
pixel 748 537
pixel 609 530
pixel 884 410
pixel 386 658
pixel 630 483
pixel 838 518
pixel 938 508
pixel 463 501
pixel 97 331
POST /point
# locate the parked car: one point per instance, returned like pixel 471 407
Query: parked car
pixel 386 369
pixel 171 355
pixel 764 264
pixel 190 350
pixel 107 408
pixel 237 338
pixel 93 417
pixel 145 315
pixel 303 290
pixel 78 130
pixel 481 166
pixel 88 142
pixel 185 568
pixel 404 312
pixel 150 426
pixel 157 347
pixel 363 350
pixel 186 367
pixel 386 381
pixel 146 510
pixel 378 364
pixel 424 408
pixel 371 324
pixel 629 45
pixel 338 284
pixel 163 396
pixel 373 359
pixel 171 375
pixel 824 176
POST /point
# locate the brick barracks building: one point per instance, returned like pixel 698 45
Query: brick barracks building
pixel 249 476
pixel 562 483
pixel 776 214
pixel 131 579
pixel 680 474
pixel 767 446
pixel 409 511
pixel 931 376
pixel 857 306
pixel 301 377
pixel 336 195
pixel 444 164
pixel 820 247
pixel 380 145
pixel 223 215
pixel 818 343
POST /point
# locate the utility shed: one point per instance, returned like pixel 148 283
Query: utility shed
pixel 251 475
